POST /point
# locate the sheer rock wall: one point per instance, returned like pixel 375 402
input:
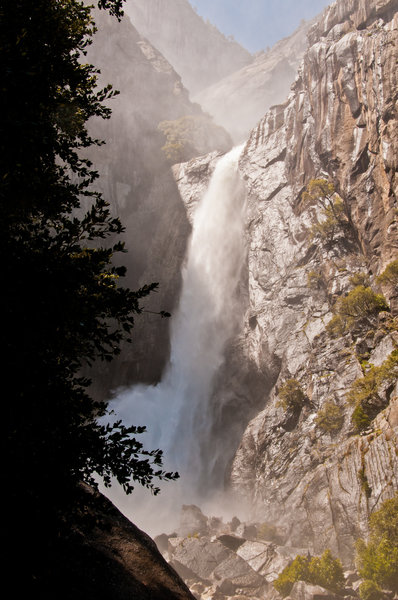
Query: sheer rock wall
pixel 339 123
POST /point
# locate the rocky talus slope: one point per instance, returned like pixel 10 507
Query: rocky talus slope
pixel 102 555
pixel 196 49
pixel 235 560
pixel 317 486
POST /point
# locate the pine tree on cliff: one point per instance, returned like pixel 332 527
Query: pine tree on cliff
pixel 62 305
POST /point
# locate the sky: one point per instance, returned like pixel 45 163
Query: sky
pixel 256 24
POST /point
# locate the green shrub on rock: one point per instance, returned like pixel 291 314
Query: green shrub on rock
pixel 366 392
pixel 359 308
pixel 190 136
pixel 324 570
pixel 327 572
pixel 322 193
pixel 315 280
pixel 298 570
pixel 369 590
pixel 291 395
pixel 377 560
pixel 359 279
pixel 389 275
pixel 334 221
pixel 330 417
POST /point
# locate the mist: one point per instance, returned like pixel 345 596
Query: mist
pixel 233 86
pixel 177 411
pixel 172 378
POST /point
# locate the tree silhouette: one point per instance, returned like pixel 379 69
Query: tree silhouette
pixel 62 304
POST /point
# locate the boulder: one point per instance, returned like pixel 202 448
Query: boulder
pixel 306 591
pixel 231 541
pixel 199 555
pixel 235 522
pixel 249 532
pixel 237 576
pixel 266 558
pixel 192 521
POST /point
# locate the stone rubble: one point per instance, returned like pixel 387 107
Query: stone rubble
pixel 223 566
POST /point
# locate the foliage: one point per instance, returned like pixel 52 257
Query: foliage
pixel 324 570
pixel 318 191
pixel 358 309
pixel 377 560
pixel 62 307
pixel 362 418
pixel 322 192
pixel 389 275
pixel 291 395
pixel 365 487
pixel 297 570
pixel 365 393
pixel 330 417
pixel 359 279
pixel 369 590
pixel 187 136
pixel 327 572
pixel 333 221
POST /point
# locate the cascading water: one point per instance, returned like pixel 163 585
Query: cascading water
pixel 176 411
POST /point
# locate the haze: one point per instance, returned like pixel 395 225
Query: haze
pixel 257 24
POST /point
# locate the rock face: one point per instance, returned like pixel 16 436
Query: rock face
pixel 197 50
pixel 105 556
pixel 136 179
pixel 339 123
pixel 240 100
pixel 216 564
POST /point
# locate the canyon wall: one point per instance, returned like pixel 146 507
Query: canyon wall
pixel 198 51
pixel 239 100
pixel 339 124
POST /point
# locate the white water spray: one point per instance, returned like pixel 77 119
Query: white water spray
pixel 176 411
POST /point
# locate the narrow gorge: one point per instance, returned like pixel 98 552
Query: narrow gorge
pixel 259 191
pixel 315 481
pixel 306 469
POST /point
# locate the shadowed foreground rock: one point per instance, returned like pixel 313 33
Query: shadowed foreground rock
pixel 107 556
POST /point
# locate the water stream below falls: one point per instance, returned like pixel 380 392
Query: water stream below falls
pixel 177 411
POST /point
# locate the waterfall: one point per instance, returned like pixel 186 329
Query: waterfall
pixel 177 411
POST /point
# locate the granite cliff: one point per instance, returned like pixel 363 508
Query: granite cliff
pixel 339 124
pixel 313 479
pixel 198 51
